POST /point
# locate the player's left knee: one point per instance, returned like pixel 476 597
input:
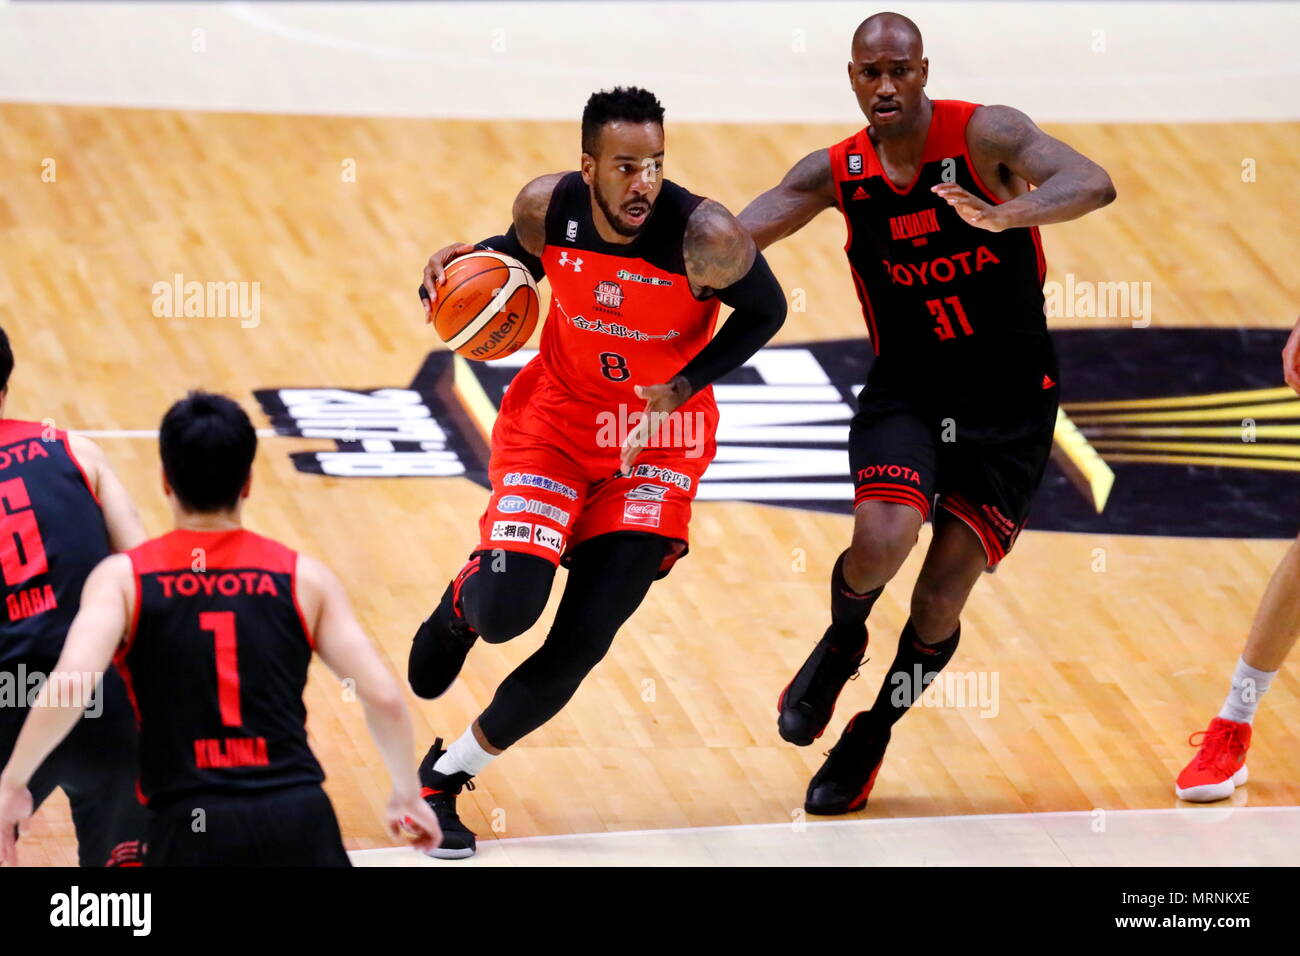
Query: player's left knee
pixel 936 609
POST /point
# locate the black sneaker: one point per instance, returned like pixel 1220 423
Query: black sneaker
pixel 806 704
pixel 443 641
pixel 845 780
pixel 440 791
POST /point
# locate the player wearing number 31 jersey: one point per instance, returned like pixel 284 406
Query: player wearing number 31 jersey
pixel 213 628
pixel 960 405
pixel 602 439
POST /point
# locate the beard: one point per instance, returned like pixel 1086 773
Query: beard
pixel 611 217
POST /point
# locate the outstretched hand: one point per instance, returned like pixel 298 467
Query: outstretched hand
pixel 971 208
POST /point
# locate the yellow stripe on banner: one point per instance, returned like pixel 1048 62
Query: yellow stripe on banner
pixel 1081 463
pixel 1237 412
pixel 470 391
pixel 1185 401
pixel 1263 464
pixel 1096 432
pixel 1244 450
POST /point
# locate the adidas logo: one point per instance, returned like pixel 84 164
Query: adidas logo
pixel 1047 382
pixel 859 193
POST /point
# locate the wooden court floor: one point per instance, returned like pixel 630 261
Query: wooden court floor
pixel 1101 675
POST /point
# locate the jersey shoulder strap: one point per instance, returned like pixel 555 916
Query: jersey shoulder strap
pixel 13 430
pixel 850 159
pixel 666 241
pixel 948 129
pixel 567 210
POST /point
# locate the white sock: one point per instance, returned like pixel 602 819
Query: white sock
pixel 464 756
pixel 1248 686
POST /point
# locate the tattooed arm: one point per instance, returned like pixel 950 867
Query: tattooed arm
pixel 1006 145
pixel 795 201
pixel 721 260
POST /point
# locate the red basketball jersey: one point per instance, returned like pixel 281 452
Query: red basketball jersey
pixel 621 315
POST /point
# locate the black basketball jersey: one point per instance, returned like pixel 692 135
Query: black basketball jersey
pixel 955 312
pixel 216 661
pixel 621 315
pixel 52 534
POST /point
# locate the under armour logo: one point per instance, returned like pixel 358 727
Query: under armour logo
pixel 566 261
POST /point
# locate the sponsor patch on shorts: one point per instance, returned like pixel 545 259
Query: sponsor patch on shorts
pixel 647 492
pixel 644 513
pixel 512 531
pixel 539 481
pixel 682 481
pixel 548 538
pixel 513 504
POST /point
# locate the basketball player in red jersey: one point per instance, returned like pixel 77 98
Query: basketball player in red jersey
pixel 1219 766
pixel 961 400
pixel 638 267
pixel 213 628
pixel 63 511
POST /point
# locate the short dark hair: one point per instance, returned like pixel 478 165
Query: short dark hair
pixel 207 445
pixel 6 360
pixel 630 104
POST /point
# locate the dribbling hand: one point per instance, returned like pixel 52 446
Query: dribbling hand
pixel 433 273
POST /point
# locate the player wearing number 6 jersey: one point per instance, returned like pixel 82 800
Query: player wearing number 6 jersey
pixel 960 404
pixel 213 628
pixel 638 267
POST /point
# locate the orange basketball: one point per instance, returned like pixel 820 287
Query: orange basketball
pixel 488 306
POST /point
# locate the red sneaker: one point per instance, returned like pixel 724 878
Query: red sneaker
pixel 1219 767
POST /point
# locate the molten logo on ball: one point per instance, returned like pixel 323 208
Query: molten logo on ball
pixel 498 335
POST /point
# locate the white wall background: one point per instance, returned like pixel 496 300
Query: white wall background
pixel 743 61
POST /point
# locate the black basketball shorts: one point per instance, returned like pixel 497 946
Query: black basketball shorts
pixel 985 477
pixel 288 826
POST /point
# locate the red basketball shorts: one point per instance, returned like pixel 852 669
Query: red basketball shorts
pixel 554 470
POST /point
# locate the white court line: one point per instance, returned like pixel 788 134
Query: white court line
pixel 1211 812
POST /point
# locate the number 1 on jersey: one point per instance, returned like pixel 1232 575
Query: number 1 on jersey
pixel 943 324
pixel 222 626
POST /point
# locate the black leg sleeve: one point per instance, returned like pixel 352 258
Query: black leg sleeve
pixel 608 579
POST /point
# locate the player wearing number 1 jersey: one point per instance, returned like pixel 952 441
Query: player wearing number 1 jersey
pixel 638 267
pixel 960 404
pixel 213 628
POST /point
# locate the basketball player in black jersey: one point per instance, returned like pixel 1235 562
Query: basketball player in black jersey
pixel 62 511
pixel 213 628
pixel 961 401
pixel 637 267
